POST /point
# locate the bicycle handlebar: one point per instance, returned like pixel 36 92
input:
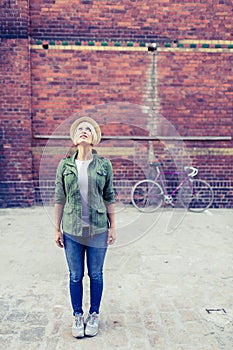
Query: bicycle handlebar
pixel 191 171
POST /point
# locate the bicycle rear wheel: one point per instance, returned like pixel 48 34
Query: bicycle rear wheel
pixel 198 197
pixel 147 196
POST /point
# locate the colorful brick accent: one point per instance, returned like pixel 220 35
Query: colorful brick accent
pixel 182 45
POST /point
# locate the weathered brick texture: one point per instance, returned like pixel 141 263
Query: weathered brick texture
pixel 196 94
pixel 203 83
pixel 42 87
pixel 16 155
pixel 65 82
pixel 14 18
pixel 132 20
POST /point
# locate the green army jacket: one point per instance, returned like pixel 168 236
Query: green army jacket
pixel 100 194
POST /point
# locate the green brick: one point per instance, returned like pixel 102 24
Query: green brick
pixel 117 43
pixel 167 44
pixel 129 43
pixel 78 43
pixel 91 43
pixel 193 46
pixel 142 44
pixel 65 43
pixel 218 46
pixel 205 46
pixel 104 43
pixel 230 46
pixel 38 42
pixel 180 45
pixel 52 42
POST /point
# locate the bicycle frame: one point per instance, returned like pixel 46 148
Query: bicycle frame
pixel 159 176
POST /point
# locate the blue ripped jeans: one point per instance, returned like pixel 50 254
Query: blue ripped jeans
pixel 95 249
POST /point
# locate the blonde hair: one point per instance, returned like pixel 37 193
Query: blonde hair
pixel 93 132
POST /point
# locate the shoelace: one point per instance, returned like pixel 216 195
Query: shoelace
pixel 91 319
pixel 78 320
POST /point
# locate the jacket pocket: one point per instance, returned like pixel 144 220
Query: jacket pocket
pixel 68 210
pixel 101 178
pixel 69 178
pixel 101 210
pixel 99 219
pixel 67 172
pixel 101 172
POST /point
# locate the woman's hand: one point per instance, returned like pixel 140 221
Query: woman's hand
pixel 59 238
pixel 111 236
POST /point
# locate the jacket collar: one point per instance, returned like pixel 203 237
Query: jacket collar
pixel 71 160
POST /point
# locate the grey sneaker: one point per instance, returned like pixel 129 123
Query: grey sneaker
pixel 78 326
pixel 92 325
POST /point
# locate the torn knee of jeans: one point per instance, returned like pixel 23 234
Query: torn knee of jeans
pixel 96 277
pixel 75 279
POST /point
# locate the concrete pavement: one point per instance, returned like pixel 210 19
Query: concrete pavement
pixel 168 283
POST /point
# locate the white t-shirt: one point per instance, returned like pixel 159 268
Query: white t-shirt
pixel 82 166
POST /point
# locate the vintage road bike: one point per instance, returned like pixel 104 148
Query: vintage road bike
pixel 195 195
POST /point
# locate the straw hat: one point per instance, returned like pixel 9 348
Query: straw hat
pixel 95 128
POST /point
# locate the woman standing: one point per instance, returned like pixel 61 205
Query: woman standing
pixel 84 207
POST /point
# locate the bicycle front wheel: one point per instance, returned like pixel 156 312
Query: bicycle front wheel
pixel 198 197
pixel 147 196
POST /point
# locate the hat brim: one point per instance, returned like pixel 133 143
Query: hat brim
pixel 87 120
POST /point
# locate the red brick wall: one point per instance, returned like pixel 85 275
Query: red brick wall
pixel 16 181
pixel 42 88
pixel 132 19
pixel 64 82
pixel 14 18
pixel 16 154
pixel 195 89
pixel 196 95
